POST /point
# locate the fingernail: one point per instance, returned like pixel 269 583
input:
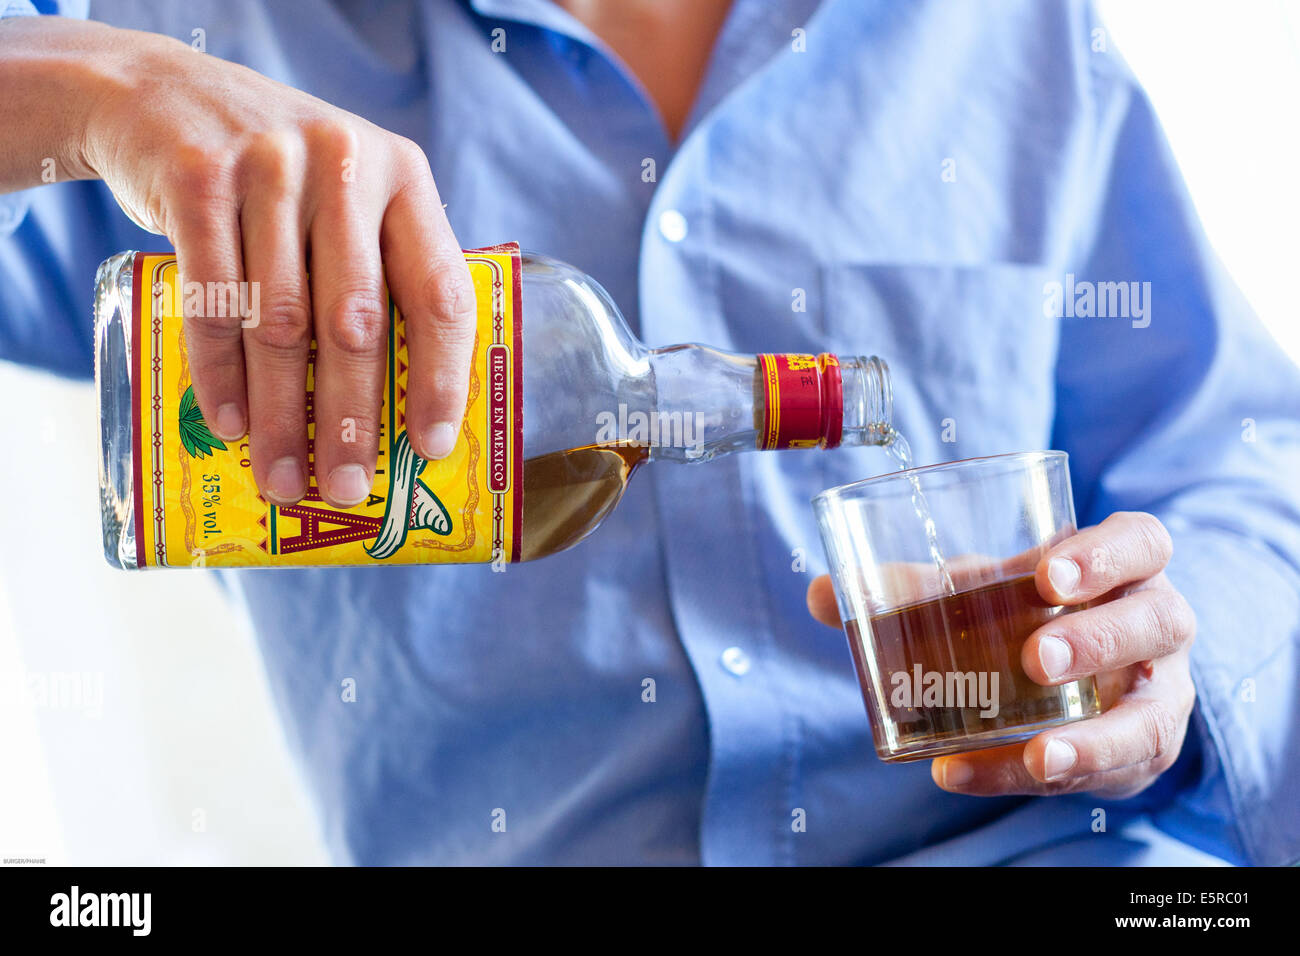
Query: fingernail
pixel 438 440
pixel 957 773
pixel 230 422
pixel 1058 757
pixel 286 482
pixel 1064 575
pixel 349 484
pixel 1054 656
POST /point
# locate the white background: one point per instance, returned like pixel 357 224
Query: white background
pixel 188 736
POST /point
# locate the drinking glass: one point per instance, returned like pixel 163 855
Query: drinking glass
pixel 933 570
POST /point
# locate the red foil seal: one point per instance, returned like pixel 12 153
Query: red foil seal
pixel 804 400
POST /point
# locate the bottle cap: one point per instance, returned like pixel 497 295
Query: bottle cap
pixel 804 400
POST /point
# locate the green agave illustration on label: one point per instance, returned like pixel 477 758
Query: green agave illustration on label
pixel 195 434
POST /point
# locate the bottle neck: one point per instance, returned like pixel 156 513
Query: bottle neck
pixel 868 401
pixel 822 401
pixel 698 403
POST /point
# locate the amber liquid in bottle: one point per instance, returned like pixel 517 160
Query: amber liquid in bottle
pixel 568 493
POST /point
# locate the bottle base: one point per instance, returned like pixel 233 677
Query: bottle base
pixel 114 284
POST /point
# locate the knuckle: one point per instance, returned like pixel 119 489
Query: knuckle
pixel 201 173
pixel 284 324
pixel 356 323
pixel 217 368
pixel 448 383
pixel 1009 779
pixel 216 300
pixel 410 156
pixel 273 159
pixel 278 423
pixel 1105 752
pixel 333 139
pixel 353 432
pixel 449 297
pixel 1159 727
pixel 1151 538
pixel 1102 644
pixel 1171 619
pixel 1100 564
pixel 447 318
pixel 1105 568
pixel 1184 617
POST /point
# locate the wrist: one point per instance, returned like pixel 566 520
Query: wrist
pixel 103 76
pixel 62 76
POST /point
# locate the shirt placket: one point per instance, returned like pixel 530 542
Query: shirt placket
pixel 708 540
pixel 710 546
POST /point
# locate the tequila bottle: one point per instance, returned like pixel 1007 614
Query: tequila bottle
pixel 564 406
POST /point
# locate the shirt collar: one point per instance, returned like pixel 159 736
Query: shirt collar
pixel 541 13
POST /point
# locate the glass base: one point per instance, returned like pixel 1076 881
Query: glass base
pixel 984 741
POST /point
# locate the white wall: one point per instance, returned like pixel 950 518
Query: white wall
pixel 165 748
pixel 1225 79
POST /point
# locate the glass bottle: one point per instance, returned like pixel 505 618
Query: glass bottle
pixel 565 405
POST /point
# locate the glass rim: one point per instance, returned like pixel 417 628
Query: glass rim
pixel 846 490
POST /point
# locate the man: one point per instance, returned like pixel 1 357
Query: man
pixel 912 180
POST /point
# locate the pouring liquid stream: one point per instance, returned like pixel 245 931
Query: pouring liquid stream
pixel 901 452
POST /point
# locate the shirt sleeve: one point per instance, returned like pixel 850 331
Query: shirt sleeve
pixel 52 238
pixel 1192 412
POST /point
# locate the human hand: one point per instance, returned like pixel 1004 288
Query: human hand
pixel 250 179
pixel 1134 635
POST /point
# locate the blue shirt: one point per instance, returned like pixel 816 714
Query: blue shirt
pixel 921 173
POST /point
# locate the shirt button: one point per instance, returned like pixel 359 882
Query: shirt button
pixel 672 225
pixel 736 661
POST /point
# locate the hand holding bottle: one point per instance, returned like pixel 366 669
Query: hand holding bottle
pixel 249 179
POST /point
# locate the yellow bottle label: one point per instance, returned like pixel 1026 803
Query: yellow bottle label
pixel 196 503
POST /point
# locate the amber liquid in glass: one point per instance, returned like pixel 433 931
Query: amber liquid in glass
pixel 972 632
